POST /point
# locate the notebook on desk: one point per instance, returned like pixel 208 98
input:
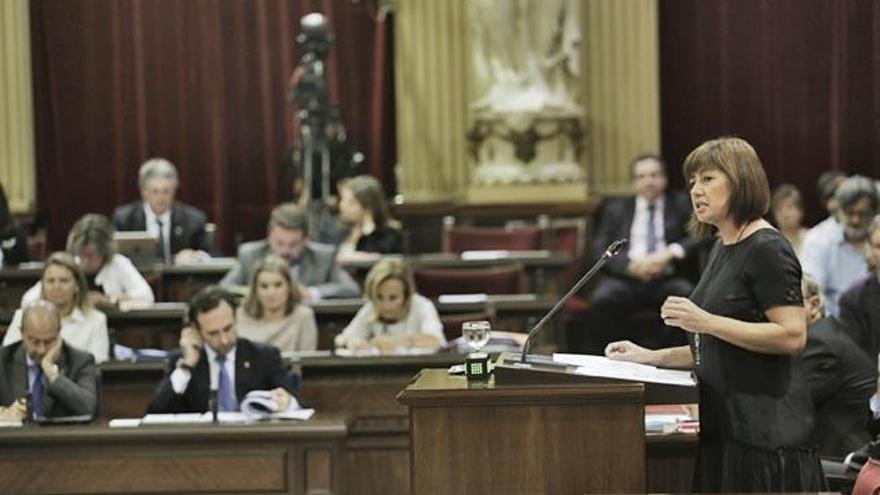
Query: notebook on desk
pixel 138 246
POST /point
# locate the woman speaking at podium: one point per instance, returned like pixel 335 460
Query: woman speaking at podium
pixel 745 324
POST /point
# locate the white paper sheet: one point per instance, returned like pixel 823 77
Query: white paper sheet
pixel 601 366
pixel 125 422
pixel 485 254
pixel 462 298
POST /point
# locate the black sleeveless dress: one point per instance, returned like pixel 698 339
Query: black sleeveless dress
pixel 756 414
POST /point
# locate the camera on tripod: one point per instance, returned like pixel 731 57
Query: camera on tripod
pixel 322 155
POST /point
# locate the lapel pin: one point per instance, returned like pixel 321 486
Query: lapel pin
pixel 247 365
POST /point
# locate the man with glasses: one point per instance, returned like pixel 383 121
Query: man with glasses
pixel 840 257
pixel 312 265
pixel 860 304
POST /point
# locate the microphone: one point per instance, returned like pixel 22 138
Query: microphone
pixel 213 405
pixel 611 251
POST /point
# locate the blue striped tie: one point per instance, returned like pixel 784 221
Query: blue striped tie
pixel 652 232
pixel 37 392
pixel 225 394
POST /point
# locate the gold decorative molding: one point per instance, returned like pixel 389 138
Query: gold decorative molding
pixel 431 60
pixel 16 101
pixel 621 88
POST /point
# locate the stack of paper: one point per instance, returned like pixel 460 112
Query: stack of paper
pixel 608 368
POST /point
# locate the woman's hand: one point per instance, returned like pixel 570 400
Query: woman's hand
pixel 683 313
pixel 388 344
pixel 100 299
pixel 625 350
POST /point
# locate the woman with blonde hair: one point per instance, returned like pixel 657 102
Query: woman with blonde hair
pixel 746 324
pixel 111 277
pixel 82 326
pixel 272 312
pixel 394 316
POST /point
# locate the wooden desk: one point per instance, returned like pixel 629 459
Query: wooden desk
pixel 291 458
pixel 14 282
pixel 484 438
pixel 159 326
pixel 179 282
pixel 377 447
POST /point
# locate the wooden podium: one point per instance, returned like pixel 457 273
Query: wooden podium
pixel 556 438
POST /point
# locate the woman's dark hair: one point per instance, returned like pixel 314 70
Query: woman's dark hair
pixel 367 190
pixel 782 193
pixel 738 161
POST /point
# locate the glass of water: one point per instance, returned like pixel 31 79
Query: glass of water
pixel 476 333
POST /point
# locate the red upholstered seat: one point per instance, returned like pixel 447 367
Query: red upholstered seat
pixel 458 239
pixel 432 282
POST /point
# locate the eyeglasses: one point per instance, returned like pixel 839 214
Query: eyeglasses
pixel 863 213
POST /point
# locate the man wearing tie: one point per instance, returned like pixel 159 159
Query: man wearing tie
pixel 179 227
pixel 655 222
pixel 313 265
pixel 212 357
pixel 59 378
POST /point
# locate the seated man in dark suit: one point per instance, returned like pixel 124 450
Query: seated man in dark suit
pixel 179 227
pixel 61 378
pixel 211 356
pixel 655 222
pixel 860 304
pixel 840 376
pixel 312 265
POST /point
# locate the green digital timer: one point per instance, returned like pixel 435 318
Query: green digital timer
pixel 476 366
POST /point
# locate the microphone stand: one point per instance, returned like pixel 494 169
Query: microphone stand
pixel 613 249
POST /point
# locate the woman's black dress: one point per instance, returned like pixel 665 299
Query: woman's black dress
pixel 756 415
pixel 383 240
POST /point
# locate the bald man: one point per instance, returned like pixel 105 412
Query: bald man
pixel 60 378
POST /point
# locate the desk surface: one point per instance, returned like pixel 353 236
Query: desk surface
pixel 350 306
pixel 278 457
pixel 320 426
pixel 221 265
pixel 364 390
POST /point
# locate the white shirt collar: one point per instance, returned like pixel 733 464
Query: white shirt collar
pixel 75 316
pixel 642 203
pixel 151 217
pixel 212 355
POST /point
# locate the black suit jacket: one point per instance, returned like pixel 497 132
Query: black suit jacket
pixel 257 367
pixel 860 314
pixel 74 393
pixel 841 379
pixel 187 224
pixel 615 222
pixel 13 242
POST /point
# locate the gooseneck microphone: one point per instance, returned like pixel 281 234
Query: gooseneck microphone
pixel 613 249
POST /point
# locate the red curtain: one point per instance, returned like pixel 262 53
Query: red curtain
pixel 202 83
pixel 799 79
